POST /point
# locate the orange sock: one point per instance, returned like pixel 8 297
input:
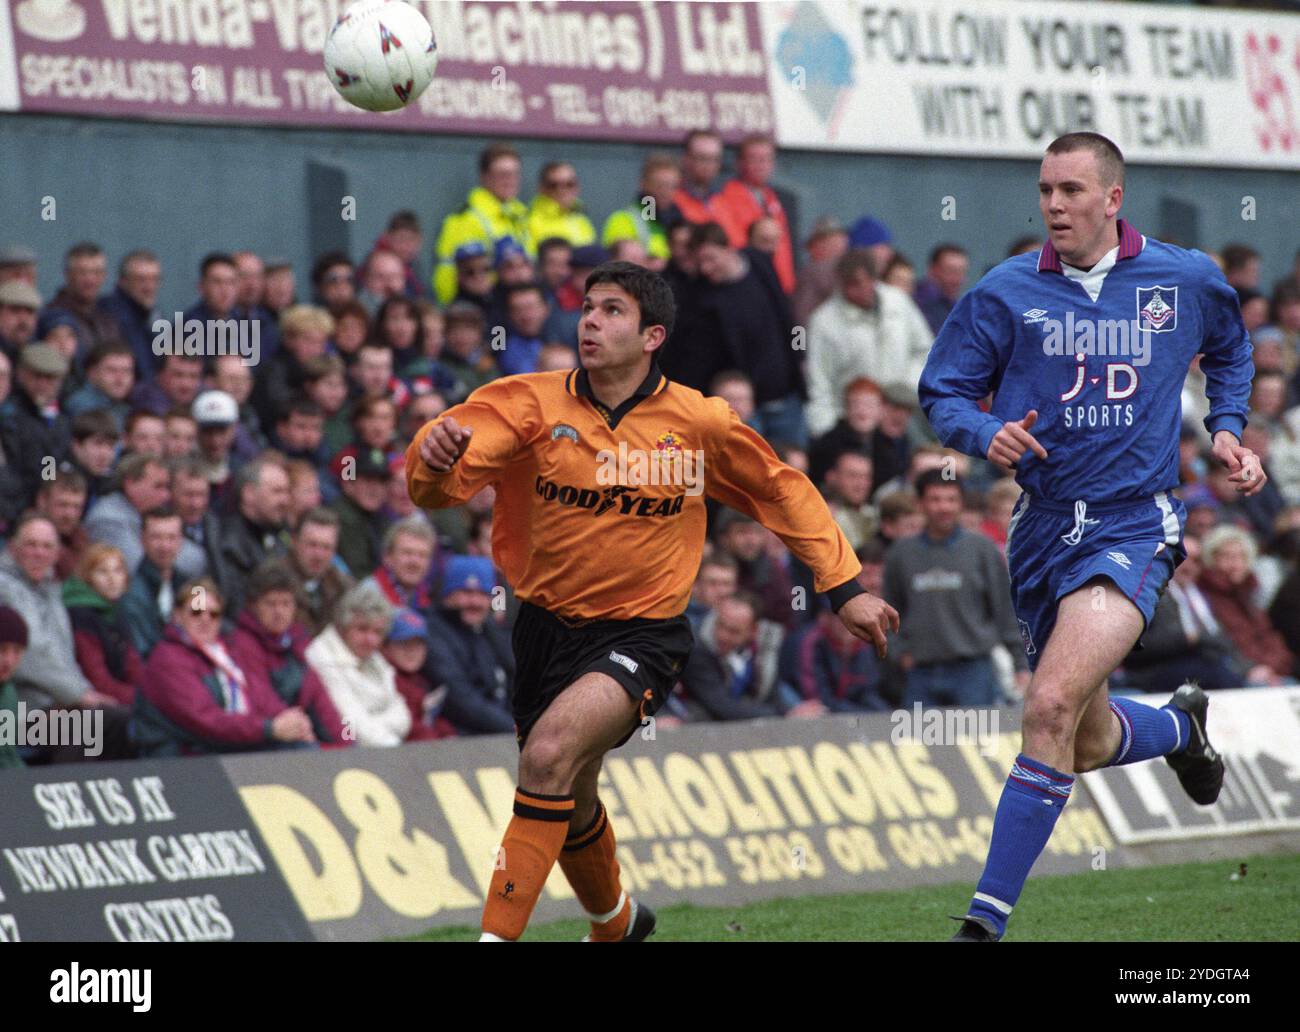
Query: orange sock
pixel 532 842
pixel 589 863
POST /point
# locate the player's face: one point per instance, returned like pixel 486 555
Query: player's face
pixel 1076 204
pixel 609 334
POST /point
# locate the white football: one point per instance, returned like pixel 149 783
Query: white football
pixel 381 54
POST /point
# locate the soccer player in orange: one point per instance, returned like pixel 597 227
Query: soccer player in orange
pixel 601 476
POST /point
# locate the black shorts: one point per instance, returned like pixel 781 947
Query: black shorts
pixel 644 655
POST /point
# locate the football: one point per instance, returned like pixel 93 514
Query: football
pixel 380 55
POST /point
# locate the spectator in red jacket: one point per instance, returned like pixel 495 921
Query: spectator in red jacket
pixel 99 634
pixel 748 197
pixel 195 699
pixel 407 648
pixel 268 643
pixel 1228 581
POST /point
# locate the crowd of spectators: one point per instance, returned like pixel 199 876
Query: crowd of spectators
pixel 213 545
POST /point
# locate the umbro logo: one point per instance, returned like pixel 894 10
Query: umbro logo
pixel 1119 558
pixel 1035 315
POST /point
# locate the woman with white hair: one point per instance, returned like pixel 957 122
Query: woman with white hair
pixel 360 681
pixel 1228 581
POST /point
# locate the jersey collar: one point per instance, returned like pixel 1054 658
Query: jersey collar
pixel 579 385
pixel 1131 243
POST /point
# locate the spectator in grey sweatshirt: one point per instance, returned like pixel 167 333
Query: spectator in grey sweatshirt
pixel 118 518
pixel 953 596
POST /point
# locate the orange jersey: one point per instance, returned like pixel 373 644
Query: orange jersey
pixel 599 514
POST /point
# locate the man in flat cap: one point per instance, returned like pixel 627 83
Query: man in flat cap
pixel 19 303
pixel 35 434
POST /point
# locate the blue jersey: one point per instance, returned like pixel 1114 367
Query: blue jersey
pixel 1105 372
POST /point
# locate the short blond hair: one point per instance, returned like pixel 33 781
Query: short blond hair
pixel 1227 534
pixel 299 319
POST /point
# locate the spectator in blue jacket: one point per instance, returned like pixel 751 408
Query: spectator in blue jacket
pixel 132 306
pixel 469 651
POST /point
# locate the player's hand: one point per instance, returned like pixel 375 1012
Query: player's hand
pixel 445 442
pixel 1013 440
pixel 870 619
pixel 1247 471
pixel 292 725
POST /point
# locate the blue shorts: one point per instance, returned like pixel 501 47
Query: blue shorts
pixel 1055 548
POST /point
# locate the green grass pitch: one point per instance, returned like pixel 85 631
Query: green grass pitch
pixel 1198 901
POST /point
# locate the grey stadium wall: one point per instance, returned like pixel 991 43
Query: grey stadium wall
pixel 183 190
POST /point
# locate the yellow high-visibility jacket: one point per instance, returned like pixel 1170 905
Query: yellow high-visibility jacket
pixel 485 219
pixel 547 219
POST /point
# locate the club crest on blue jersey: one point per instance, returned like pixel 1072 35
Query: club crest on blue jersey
pixel 1157 309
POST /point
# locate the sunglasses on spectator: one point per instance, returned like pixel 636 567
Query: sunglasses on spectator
pixel 200 613
pixel 339 277
pixel 561 184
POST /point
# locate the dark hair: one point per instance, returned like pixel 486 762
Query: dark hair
pixel 871 552
pixel 708 233
pixel 139 414
pixel 216 258
pixel 1237 255
pixel 494 152
pixel 853 261
pixel 131 257
pixel 940 250
pixel 376 335
pixel 937 478
pixel 1110 160
pixel 1020 244
pixel 85 249
pixel 300 406
pixel 650 291
pixel 163 512
pixel 362 407
pixel 404 219
pixel 180 412
pixel 270 576
pixel 531 287
pixel 107 349
pixel 95 423
pixel 327 261
pixel 551 244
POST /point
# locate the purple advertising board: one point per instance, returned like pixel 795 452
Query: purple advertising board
pixel 598 71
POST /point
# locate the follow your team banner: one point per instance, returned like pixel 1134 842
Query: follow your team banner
pixel 1169 83
pixel 363 844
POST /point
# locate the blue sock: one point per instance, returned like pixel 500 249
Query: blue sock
pixel 1146 732
pixel 1031 801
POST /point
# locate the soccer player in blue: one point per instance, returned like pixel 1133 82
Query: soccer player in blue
pixel 1085 346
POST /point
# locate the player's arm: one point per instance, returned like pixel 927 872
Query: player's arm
pixel 456 455
pixel 1228 369
pixel 742 471
pixel 966 362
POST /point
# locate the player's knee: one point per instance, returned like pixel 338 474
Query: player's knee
pixel 1049 714
pixel 546 765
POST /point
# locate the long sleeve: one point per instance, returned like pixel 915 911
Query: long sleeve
pixel 744 473
pixel 963 367
pixel 181 696
pixel 823 409
pixel 503 415
pixel 920 338
pixel 1226 360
